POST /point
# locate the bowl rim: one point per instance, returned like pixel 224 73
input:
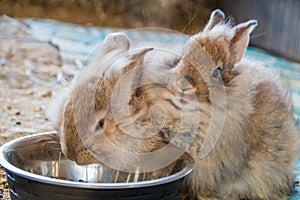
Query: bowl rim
pixel 66 183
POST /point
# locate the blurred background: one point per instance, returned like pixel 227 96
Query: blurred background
pixel 278 30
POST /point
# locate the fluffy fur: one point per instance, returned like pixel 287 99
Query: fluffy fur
pixel 233 116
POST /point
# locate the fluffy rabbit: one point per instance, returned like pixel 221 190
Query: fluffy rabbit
pixel 83 110
pixel 246 142
pixel 234 117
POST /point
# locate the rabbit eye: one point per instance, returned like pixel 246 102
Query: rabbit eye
pixel 216 71
pixel 99 125
pixel 176 61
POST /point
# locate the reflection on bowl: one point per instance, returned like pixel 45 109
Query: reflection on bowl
pixel 36 169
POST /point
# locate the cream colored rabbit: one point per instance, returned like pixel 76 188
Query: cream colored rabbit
pixel 234 117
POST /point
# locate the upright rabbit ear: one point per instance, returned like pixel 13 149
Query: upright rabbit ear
pixel 136 57
pixel 240 40
pixel 133 70
pixel 129 80
pixel 115 41
pixel 216 17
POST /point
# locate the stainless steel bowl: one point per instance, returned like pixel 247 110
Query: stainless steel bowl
pixel 36 169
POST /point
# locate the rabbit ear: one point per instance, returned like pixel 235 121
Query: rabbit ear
pixel 216 17
pixel 240 40
pixel 115 41
pixel 137 57
pixel 114 47
pixel 129 79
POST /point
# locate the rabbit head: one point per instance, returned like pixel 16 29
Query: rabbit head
pixel 85 118
pixel 209 58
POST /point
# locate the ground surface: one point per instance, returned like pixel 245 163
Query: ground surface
pixel 28 70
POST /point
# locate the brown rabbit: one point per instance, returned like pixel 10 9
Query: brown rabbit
pixel 234 117
pixel 246 143
pixel 82 111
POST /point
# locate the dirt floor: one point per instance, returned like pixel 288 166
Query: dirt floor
pixel 28 70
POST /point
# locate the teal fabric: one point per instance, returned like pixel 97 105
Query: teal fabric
pixel 76 43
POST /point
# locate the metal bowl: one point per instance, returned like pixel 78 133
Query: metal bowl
pixel 36 169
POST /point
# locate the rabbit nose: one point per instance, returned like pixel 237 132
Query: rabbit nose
pixel 189 91
pixel 184 89
pixel 179 88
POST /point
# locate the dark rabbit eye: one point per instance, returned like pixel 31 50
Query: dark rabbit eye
pixel 216 71
pixel 99 125
pixel 176 61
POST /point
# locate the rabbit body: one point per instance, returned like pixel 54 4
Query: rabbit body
pixel 255 153
pixel 233 116
pixel 246 143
